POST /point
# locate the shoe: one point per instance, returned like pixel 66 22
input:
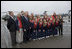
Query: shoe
pixel 34 39
pixel 24 41
pixel 39 38
pixel 47 36
pixel 53 35
pixel 61 33
pixel 13 45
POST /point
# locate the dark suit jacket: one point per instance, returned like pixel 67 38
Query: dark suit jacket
pixel 17 27
pixel 25 23
pixel 38 27
pixel 11 25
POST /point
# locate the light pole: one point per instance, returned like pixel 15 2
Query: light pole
pixel 69 14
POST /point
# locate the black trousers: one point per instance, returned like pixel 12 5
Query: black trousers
pixel 61 30
pixel 26 36
pixel 13 37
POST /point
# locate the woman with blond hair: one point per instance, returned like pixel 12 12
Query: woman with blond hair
pixel 19 32
pixel 44 27
pixel 40 28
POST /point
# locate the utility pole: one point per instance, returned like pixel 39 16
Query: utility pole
pixel 69 15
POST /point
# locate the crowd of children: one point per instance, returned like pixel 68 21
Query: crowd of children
pixel 42 27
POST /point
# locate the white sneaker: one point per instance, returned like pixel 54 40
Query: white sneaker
pixel 34 39
pixel 39 38
pixel 43 37
pixel 47 36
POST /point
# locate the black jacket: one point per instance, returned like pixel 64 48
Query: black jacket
pixel 60 22
pixel 25 23
pixel 11 25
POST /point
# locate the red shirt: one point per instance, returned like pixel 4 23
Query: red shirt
pixel 48 19
pixel 37 20
pixel 48 24
pixel 20 23
pixel 53 17
pixel 40 24
pixel 51 20
pixel 52 24
pixel 56 23
pixel 35 25
pixel 31 21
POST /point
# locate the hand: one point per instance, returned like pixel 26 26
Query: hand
pixel 30 27
pixel 24 29
pixel 34 31
pixel 39 30
pixel 43 30
pixel 48 30
pixel 18 31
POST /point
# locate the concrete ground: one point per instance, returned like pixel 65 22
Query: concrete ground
pixel 50 42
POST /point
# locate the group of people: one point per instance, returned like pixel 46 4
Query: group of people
pixel 24 27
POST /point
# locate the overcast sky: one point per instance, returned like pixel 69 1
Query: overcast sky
pixel 36 6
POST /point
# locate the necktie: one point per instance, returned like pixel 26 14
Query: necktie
pixel 26 18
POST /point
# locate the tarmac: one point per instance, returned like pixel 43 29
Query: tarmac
pixel 50 42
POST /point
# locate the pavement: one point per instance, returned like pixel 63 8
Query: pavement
pixel 50 42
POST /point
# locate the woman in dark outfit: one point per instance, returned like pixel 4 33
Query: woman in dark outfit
pixel 40 28
pixel 57 25
pixel 44 27
pixel 53 27
pixel 60 26
pixel 34 33
pixel 31 26
pixel 48 28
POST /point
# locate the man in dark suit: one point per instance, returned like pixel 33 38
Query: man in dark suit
pixel 11 25
pixel 26 26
